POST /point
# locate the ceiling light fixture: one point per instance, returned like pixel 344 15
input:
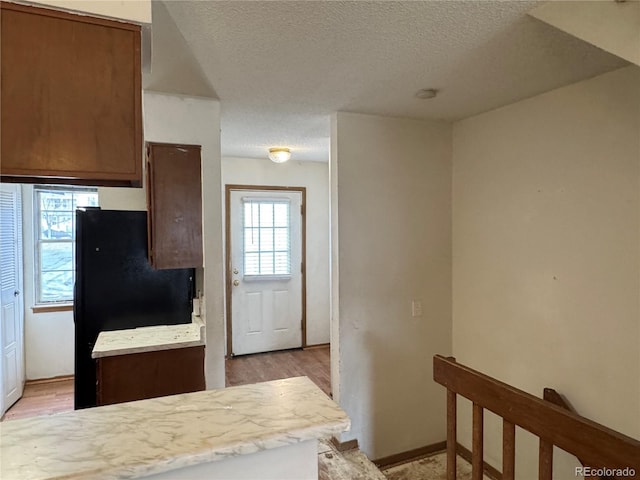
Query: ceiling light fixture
pixel 279 155
pixel 427 93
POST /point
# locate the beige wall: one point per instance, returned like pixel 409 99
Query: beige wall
pixel 138 11
pixel 613 26
pixel 391 182
pixel 121 198
pixel 546 260
pixel 196 121
pixel 49 337
pixel 314 176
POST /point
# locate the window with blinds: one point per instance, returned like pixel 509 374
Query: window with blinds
pixel 266 230
pixel 54 208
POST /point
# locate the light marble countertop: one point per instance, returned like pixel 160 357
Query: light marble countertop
pixel 129 440
pixel 149 339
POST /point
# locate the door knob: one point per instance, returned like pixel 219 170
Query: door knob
pixel 235 271
pixel 236 283
pixel 16 293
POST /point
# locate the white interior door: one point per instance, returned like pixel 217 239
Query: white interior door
pixel 266 270
pixel 11 298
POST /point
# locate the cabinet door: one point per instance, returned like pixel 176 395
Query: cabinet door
pixel 174 197
pixel 137 376
pixel 71 98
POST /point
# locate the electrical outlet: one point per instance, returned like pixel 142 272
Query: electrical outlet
pixel 416 308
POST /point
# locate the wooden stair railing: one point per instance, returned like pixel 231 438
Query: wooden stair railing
pixel 546 457
pixel 592 443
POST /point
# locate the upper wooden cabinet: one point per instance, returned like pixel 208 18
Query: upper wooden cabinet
pixel 174 200
pixel 71 98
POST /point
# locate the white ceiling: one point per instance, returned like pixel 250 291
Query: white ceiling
pixel 280 68
pixel 173 67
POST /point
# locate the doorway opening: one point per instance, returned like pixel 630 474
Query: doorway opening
pixel 266 287
pixel 265 241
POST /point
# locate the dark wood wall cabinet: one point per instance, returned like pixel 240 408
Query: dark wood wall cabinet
pixel 174 201
pixel 138 376
pixel 71 98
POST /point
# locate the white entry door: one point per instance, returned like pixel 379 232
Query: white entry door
pixel 11 299
pixel 266 270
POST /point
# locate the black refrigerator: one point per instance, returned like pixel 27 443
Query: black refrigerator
pixel 116 288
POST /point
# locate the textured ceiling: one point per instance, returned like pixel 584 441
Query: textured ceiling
pixel 281 68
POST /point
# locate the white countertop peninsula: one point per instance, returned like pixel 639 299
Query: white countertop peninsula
pixel 253 432
pixel 149 339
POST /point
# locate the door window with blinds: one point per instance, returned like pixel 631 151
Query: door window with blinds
pixel 267 238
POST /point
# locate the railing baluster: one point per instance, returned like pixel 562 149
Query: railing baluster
pixel 550 395
pixel 555 426
pixel 508 450
pixel 451 435
pixel 545 461
pixel 477 454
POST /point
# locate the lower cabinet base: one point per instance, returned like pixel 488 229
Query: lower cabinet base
pixel 137 376
pixel 298 461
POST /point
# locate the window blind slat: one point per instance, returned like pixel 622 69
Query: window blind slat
pixel 55 239
pixel 267 250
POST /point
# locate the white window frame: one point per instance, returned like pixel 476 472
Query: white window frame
pixel 38 240
pixel 266 276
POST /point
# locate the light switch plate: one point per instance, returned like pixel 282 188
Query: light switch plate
pixel 416 308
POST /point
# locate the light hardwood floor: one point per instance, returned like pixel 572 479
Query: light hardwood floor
pixel 53 396
pixel 43 398
pixel 48 397
pixel 262 367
